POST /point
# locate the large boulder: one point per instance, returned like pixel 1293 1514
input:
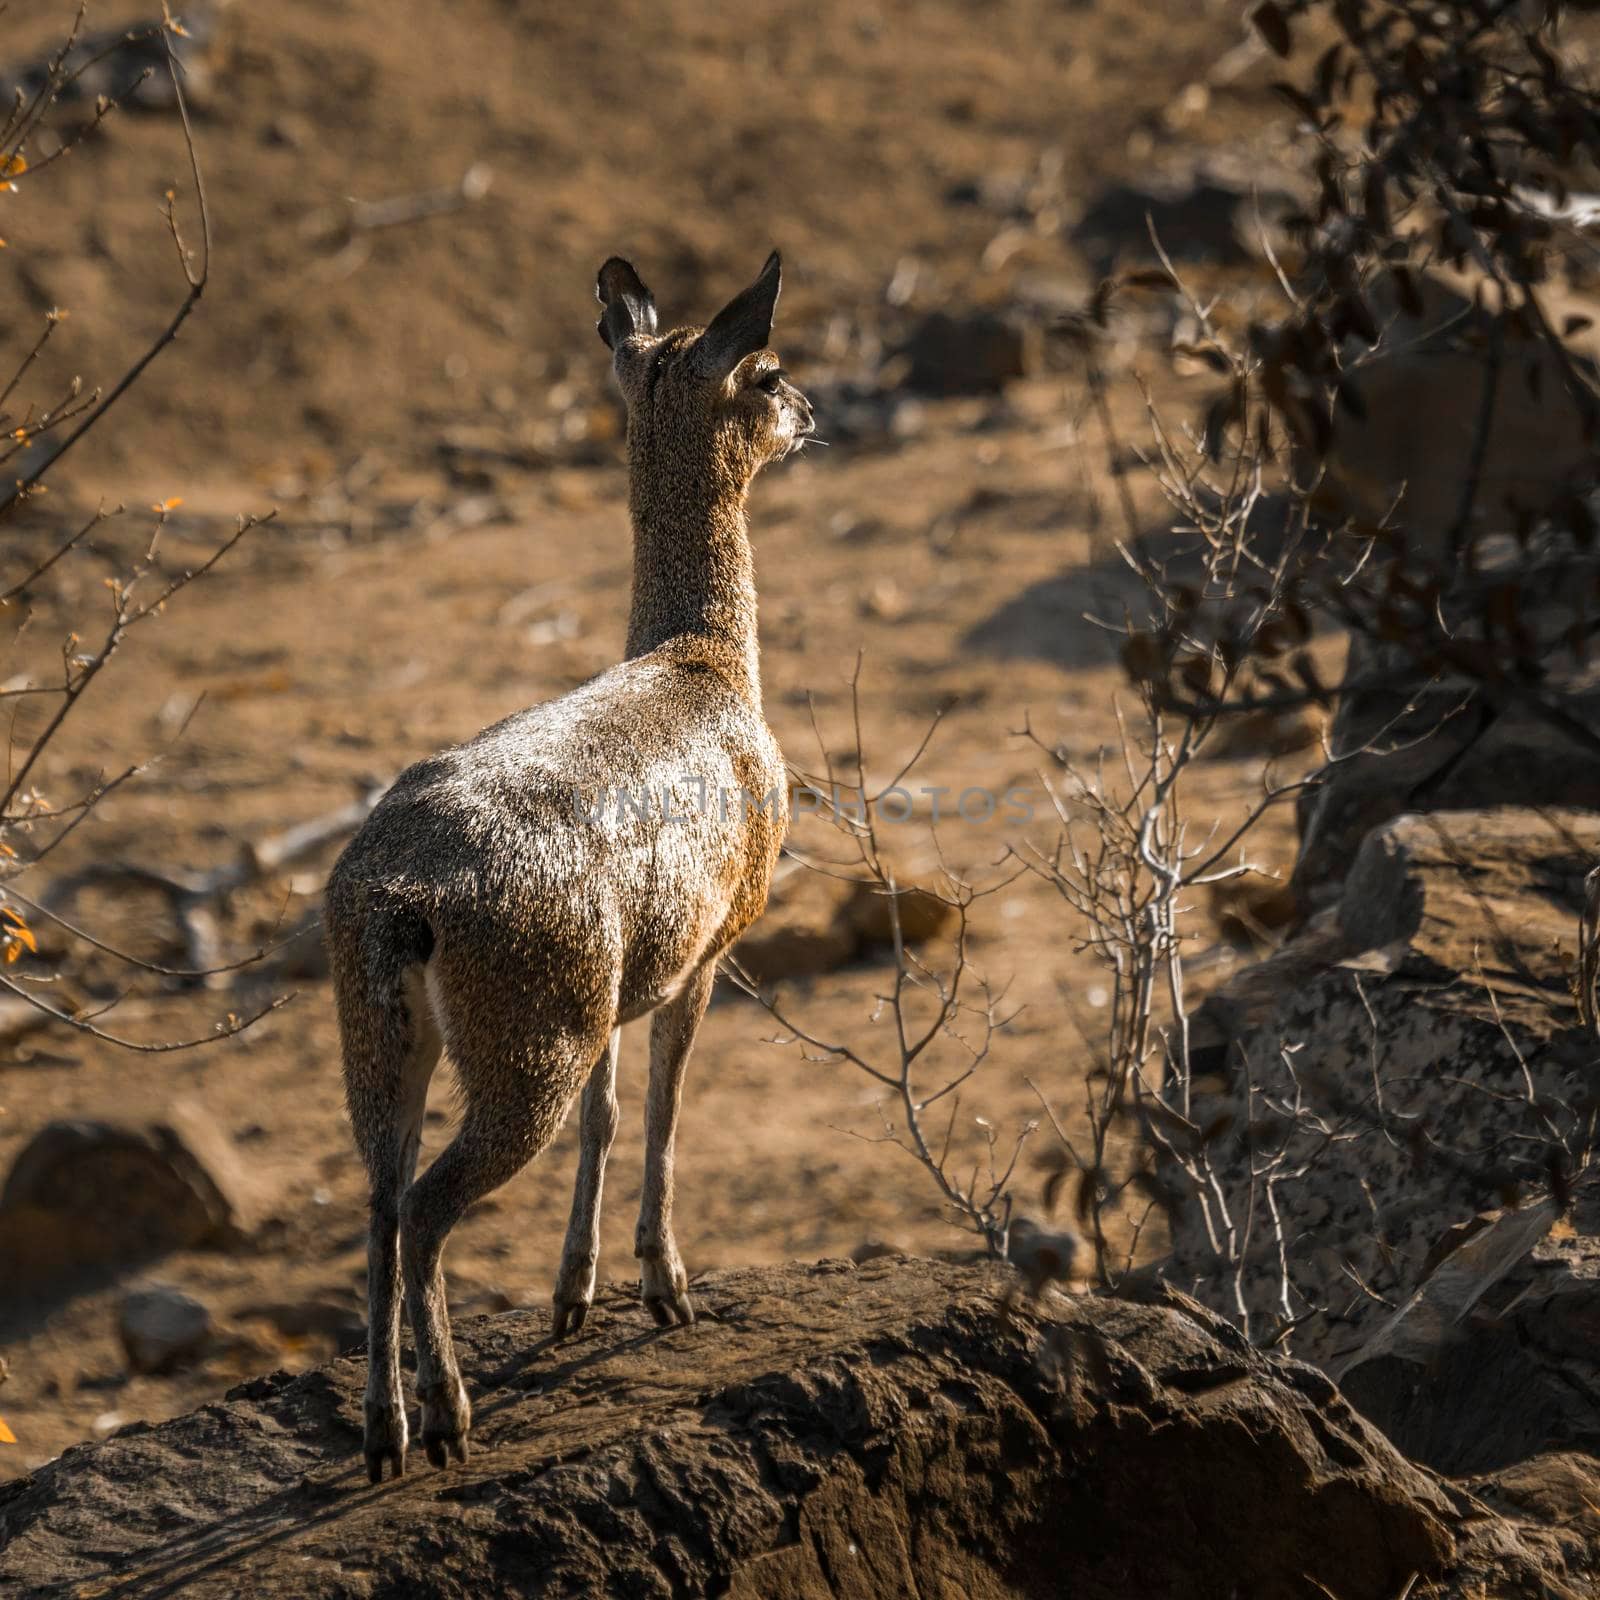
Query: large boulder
pixel 99 1196
pixel 823 1433
pixel 1412 735
pixel 1412 435
pixel 1471 683
pixel 1411 1059
pixel 1491 1362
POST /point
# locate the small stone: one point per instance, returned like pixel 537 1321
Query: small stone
pixel 1197 219
pixel 885 601
pixel 875 1250
pixel 977 352
pixel 287 132
pixel 100 1196
pixel 305 1319
pixel 162 1328
pixel 1042 1255
pixel 921 914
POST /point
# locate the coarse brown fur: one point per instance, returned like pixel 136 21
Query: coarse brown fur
pixel 514 900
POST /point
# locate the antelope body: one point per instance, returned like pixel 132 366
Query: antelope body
pixel 491 908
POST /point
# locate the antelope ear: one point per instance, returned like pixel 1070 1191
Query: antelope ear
pixel 630 308
pixel 743 326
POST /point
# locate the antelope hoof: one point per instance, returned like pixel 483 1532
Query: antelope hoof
pixel 665 1287
pixel 441 1447
pixel 574 1291
pixel 446 1421
pixel 570 1317
pixel 385 1442
pixel 669 1309
pixel 385 1454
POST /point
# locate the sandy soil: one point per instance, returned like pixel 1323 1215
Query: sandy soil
pixel 426 406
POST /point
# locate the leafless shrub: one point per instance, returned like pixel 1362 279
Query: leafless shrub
pixel 37 434
pixel 1124 862
pixel 938 1017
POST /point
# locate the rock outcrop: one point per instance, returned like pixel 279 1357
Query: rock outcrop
pixel 1508 1371
pixel 1411 1059
pixel 854 1433
pixel 1492 534
pixel 1411 736
pixel 1413 436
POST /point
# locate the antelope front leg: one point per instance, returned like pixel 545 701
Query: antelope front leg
pixel 662 1280
pixel 580 1254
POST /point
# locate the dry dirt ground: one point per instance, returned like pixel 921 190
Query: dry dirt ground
pixel 426 406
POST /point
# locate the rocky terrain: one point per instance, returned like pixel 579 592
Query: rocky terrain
pixel 870 1433
pixel 1393 1083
